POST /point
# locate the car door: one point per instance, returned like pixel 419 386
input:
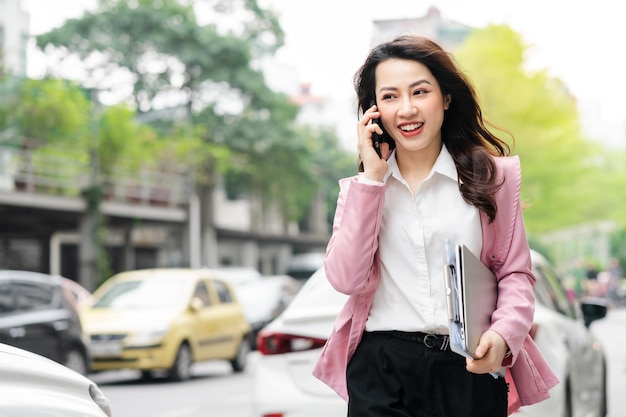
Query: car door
pixel 30 319
pixel 203 324
pixel 585 362
pixel 227 319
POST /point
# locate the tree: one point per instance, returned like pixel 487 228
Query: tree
pixel 56 110
pixel 232 120
pixel 565 175
pixel 123 141
pixel 618 246
pixel 331 162
pixel 55 118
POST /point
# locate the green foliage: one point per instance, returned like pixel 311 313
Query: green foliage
pixel 567 178
pixel 330 163
pixel 161 44
pixel 122 139
pixel 270 158
pixel 233 122
pixel 223 118
pixel 53 110
pixel 60 123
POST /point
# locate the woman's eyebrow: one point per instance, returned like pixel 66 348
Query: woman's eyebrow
pixel 415 84
pixel 422 81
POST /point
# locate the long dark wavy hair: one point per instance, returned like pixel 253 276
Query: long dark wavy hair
pixel 463 131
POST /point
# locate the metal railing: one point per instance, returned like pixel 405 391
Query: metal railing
pixel 25 169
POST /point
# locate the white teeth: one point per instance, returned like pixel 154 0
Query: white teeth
pixel 408 128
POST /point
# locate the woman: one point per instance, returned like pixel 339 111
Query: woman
pixel 443 175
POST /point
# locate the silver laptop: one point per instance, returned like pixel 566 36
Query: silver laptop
pixel 479 297
pixel 472 301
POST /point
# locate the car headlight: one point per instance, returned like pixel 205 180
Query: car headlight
pixel 149 337
pixel 98 397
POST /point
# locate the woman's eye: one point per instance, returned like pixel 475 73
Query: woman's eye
pixel 419 92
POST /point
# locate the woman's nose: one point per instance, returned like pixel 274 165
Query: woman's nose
pixel 407 107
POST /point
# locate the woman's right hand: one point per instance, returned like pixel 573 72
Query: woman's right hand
pixel 374 166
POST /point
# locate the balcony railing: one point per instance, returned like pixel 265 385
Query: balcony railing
pixel 35 170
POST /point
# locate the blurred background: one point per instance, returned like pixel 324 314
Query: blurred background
pixel 211 135
pixel 165 133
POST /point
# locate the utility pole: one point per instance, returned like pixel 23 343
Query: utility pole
pixel 90 246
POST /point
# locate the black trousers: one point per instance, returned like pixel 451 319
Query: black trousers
pixel 393 377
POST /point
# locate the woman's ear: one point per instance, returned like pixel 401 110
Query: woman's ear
pixel 446 101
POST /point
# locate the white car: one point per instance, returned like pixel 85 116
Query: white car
pixel 35 386
pixel 262 297
pixel 289 347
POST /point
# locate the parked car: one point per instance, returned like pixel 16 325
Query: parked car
pixel 81 295
pixel 302 265
pixel 237 275
pixel 264 299
pixel 561 331
pixel 284 387
pixel 165 319
pixel 35 386
pixel 38 313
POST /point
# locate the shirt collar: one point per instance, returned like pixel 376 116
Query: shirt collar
pixel 444 165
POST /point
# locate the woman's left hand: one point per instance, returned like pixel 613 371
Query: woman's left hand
pixel 489 354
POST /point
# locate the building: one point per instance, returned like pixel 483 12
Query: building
pixel 155 219
pixel 147 224
pixel 14 35
pixel 152 226
pixel 433 25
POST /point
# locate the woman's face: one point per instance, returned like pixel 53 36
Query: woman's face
pixel 411 104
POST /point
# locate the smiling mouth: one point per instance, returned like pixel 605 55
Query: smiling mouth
pixel 411 127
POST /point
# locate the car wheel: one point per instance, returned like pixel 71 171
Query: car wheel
pixel 181 370
pixel 147 375
pixel 76 360
pixel 603 399
pixel 238 363
pixel 567 407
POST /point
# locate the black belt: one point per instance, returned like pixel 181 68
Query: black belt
pixel 431 341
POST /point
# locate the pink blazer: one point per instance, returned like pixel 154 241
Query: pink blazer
pixel 354 269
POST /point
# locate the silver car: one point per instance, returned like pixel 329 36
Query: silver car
pixel 35 386
pixel 290 345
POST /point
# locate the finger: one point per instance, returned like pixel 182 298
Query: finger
pixel 484 345
pixel 385 149
pixel 369 115
pixel 472 366
pixel 373 128
pixel 480 351
pixel 378 129
pixel 478 366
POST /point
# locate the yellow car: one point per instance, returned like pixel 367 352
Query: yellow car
pixel 165 319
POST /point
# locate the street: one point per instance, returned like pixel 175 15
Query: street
pixel 216 391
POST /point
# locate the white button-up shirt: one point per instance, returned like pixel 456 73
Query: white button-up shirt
pixel 411 293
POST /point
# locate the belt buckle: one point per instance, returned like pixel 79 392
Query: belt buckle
pixel 427 343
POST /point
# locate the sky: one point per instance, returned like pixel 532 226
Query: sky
pixel 580 42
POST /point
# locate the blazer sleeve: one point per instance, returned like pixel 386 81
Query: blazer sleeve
pixel 354 241
pixel 512 264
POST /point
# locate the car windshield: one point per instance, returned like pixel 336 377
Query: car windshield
pixel 149 293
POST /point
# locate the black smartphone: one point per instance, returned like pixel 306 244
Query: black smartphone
pixel 376 140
